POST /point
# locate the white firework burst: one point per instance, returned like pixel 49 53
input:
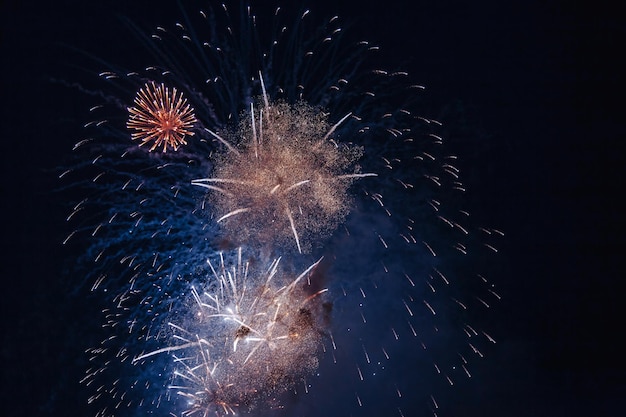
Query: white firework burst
pixel 245 336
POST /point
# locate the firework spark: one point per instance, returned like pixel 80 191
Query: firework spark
pixel 289 180
pixel 249 335
pixel 161 116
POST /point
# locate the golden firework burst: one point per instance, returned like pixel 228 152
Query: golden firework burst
pixel 161 116
pixel 282 176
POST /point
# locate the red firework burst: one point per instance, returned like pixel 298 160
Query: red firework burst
pixel 161 116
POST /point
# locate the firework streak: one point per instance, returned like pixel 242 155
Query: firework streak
pixel 274 229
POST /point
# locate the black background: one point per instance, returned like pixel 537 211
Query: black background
pixel 541 88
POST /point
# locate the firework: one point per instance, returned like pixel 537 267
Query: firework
pixel 289 178
pixel 292 145
pixel 246 336
pixel 160 116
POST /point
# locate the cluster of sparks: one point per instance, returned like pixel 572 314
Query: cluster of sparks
pixel 161 117
pixel 250 335
pixel 289 180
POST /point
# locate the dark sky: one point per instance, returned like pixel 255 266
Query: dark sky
pixel 541 88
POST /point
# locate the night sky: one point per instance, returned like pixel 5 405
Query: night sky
pixel 533 95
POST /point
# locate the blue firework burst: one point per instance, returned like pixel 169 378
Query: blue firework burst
pixel 371 191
